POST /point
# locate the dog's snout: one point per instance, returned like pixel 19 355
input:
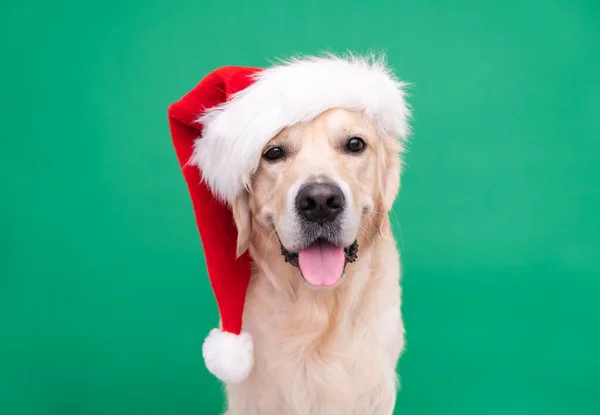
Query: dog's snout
pixel 320 202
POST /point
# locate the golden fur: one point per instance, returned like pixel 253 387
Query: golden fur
pixel 322 351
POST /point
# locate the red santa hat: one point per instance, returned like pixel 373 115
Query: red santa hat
pixel 219 130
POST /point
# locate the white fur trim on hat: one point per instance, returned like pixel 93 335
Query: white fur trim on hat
pixel 292 92
pixel 228 356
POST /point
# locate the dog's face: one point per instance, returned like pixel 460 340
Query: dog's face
pixel 321 187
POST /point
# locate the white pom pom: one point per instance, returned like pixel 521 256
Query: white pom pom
pixel 228 356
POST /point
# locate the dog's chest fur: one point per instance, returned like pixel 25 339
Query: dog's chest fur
pixel 323 352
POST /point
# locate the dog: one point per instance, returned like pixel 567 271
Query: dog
pixel 324 301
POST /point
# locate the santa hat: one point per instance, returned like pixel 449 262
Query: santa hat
pixel 219 130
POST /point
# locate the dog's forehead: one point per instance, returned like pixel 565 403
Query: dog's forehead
pixel 333 124
pixel 340 118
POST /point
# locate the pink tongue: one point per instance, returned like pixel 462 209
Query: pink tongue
pixel 322 264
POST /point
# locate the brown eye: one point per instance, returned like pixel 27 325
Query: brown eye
pixel 355 145
pixel 274 153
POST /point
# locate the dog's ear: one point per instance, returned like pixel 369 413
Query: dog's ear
pixel 390 173
pixel 243 222
pixel 389 179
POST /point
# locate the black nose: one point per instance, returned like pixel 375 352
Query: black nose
pixel 320 202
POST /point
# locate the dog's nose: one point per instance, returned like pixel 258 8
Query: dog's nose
pixel 320 202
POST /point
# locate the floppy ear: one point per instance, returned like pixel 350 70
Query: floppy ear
pixel 390 176
pixel 243 222
pixel 389 179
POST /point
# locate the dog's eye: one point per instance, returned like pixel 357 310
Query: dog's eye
pixel 274 153
pixel 355 145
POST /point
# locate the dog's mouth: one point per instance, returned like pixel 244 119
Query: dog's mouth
pixel 322 264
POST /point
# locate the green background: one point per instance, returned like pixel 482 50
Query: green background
pixel 104 300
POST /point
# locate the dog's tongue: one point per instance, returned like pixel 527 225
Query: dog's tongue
pixel 322 264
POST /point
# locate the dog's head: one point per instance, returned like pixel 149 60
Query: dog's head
pixel 321 190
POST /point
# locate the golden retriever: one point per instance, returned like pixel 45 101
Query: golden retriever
pixel 324 301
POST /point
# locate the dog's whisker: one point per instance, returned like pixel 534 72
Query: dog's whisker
pixel 399 226
pixel 272 236
pixel 393 218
